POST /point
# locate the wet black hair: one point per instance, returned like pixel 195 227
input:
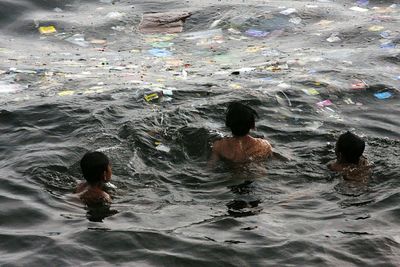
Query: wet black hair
pixel 351 147
pixel 93 165
pixel 240 118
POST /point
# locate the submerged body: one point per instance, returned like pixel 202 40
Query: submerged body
pixel 96 170
pixel 359 172
pixel 350 161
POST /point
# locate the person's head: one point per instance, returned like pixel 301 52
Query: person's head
pixel 349 148
pixel 96 167
pixel 240 118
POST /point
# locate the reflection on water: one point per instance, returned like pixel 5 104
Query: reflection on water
pixel 155 103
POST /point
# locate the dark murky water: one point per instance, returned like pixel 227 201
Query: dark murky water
pixel 82 88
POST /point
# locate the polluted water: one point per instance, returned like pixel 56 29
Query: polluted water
pixel 148 82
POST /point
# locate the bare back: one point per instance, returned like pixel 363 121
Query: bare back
pixel 241 149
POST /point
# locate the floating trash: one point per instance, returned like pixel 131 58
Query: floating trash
pixel 375 28
pixel 151 97
pixel 167 92
pixel 47 29
pixel 388 45
pixel 162 44
pixel 234 31
pixel 361 85
pixel 160 52
pixel 324 103
pixel 295 20
pixel 256 33
pixel 324 22
pixel 348 101
pixel 163 148
pixel 66 93
pixel 383 95
pixel 215 23
pixel 235 86
pixel 166 22
pixel 77 39
pixel 288 11
pixel 385 34
pixel 362 2
pixel 7 88
pixel 242 70
pixel 358 9
pixel 311 91
pixel 115 15
pixel 203 34
pixel 334 38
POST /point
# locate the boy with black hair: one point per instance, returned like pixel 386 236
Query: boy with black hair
pixel 350 161
pixel 96 170
pixel 241 147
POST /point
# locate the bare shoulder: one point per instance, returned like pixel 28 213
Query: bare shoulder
pixel 95 196
pixel 265 146
pixel 82 186
pixel 218 145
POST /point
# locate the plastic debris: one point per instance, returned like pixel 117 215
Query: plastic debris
pixel 234 31
pixel 151 97
pixel 66 93
pixel 47 29
pixel 387 45
pixel 358 9
pixel 362 2
pixel 242 70
pixel 115 15
pixel 383 95
pixel 203 34
pixel 295 20
pixel 288 11
pixel 110 185
pixel 118 28
pixel 324 22
pixel 160 52
pixel 161 44
pixel 348 101
pixel 167 92
pixel 334 38
pixel 324 103
pixel 385 34
pixel 98 41
pixel 375 28
pixel 235 86
pixel 311 91
pixel 360 85
pixel 163 148
pixel 256 33
pixel 77 39
pixel 6 88
pixel 215 23
pixel 168 22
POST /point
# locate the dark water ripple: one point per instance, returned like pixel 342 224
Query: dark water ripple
pixel 59 100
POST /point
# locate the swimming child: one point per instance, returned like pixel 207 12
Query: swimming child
pixel 350 161
pixel 96 169
pixel 241 147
